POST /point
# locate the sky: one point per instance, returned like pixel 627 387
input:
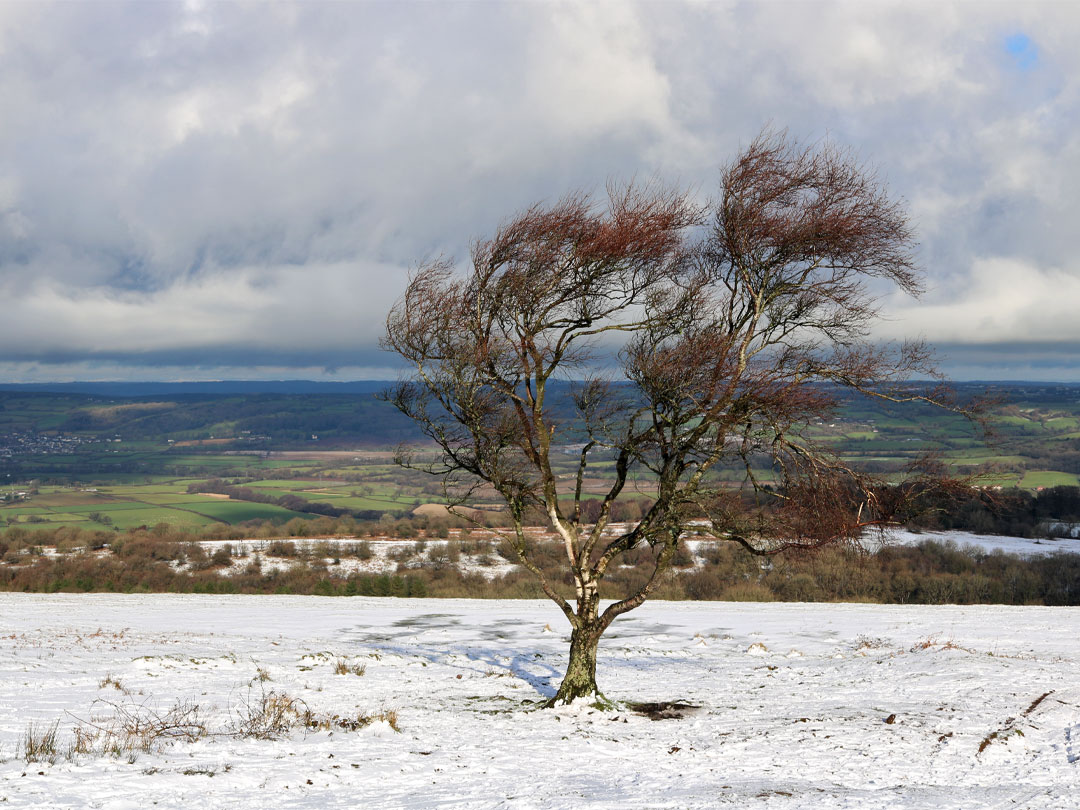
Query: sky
pixel 239 190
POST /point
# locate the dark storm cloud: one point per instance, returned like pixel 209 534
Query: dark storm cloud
pixel 1015 361
pixel 228 189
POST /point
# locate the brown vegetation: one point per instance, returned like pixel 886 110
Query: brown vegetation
pixel 931 573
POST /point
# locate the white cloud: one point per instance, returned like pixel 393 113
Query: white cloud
pixel 999 301
pixel 592 72
pixel 212 177
pixel 292 311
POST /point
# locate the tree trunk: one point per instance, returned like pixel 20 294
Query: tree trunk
pixel 580 678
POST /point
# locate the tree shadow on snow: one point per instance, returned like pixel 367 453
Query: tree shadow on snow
pixel 529 666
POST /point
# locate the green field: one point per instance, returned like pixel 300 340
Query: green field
pixel 122 504
pixel 1048 478
pixel 143 479
pixel 125 506
pixel 239 511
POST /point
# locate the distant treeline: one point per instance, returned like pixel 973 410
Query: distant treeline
pixel 1010 512
pixel 121 388
pixel 144 561
pixel 284 418
pixel 288 419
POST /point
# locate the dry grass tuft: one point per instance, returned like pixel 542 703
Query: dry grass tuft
pixel 115 683
pixel 39 743
pixel 131 728
pixel 391 718
pixel 274 714
pixel 1035 703
pixel 931 642
pixel 343 667
pixel 1002 736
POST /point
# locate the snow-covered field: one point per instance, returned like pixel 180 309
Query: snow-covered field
pixel 797 706
pixel 989 542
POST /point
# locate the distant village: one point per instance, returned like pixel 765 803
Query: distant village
pixel 29 443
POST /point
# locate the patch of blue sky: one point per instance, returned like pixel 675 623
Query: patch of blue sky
pixel 1022 49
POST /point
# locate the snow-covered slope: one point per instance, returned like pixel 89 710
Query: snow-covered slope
pixel 989 542
pixel 798 706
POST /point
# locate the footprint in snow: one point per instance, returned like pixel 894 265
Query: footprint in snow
pixel 1072 743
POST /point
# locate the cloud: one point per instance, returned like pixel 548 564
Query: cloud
pixel 221 188
pixel 254 315
pixel 1000 301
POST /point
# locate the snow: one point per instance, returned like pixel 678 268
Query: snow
pixel 793 705
pixel 989 542
pixel 384 555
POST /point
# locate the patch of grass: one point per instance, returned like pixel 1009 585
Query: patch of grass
pixel 170 499
pixel 39 743
pixel 125 730
pixel 1035 703
pixel 206 770
pixel 1062 423
pixel 151 516
pixel 1048 478
pixel 330 722
pixel 239 511
pixel 931 641
pixel 343 667
pixel 261 674
pixel 109 680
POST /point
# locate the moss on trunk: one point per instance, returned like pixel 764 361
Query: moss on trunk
pixel 580 679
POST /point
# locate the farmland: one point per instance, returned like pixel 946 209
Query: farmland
pixel 112 459
pixel 107 492
pixel 124 505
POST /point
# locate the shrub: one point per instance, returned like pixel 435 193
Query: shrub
pixel 138 727
pixel 283 548
pixel 800 588
pixel 747 592
pixel 402 553
pixel 269 714
pixel 683 557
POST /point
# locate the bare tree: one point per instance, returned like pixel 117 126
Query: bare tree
pixel 733 327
